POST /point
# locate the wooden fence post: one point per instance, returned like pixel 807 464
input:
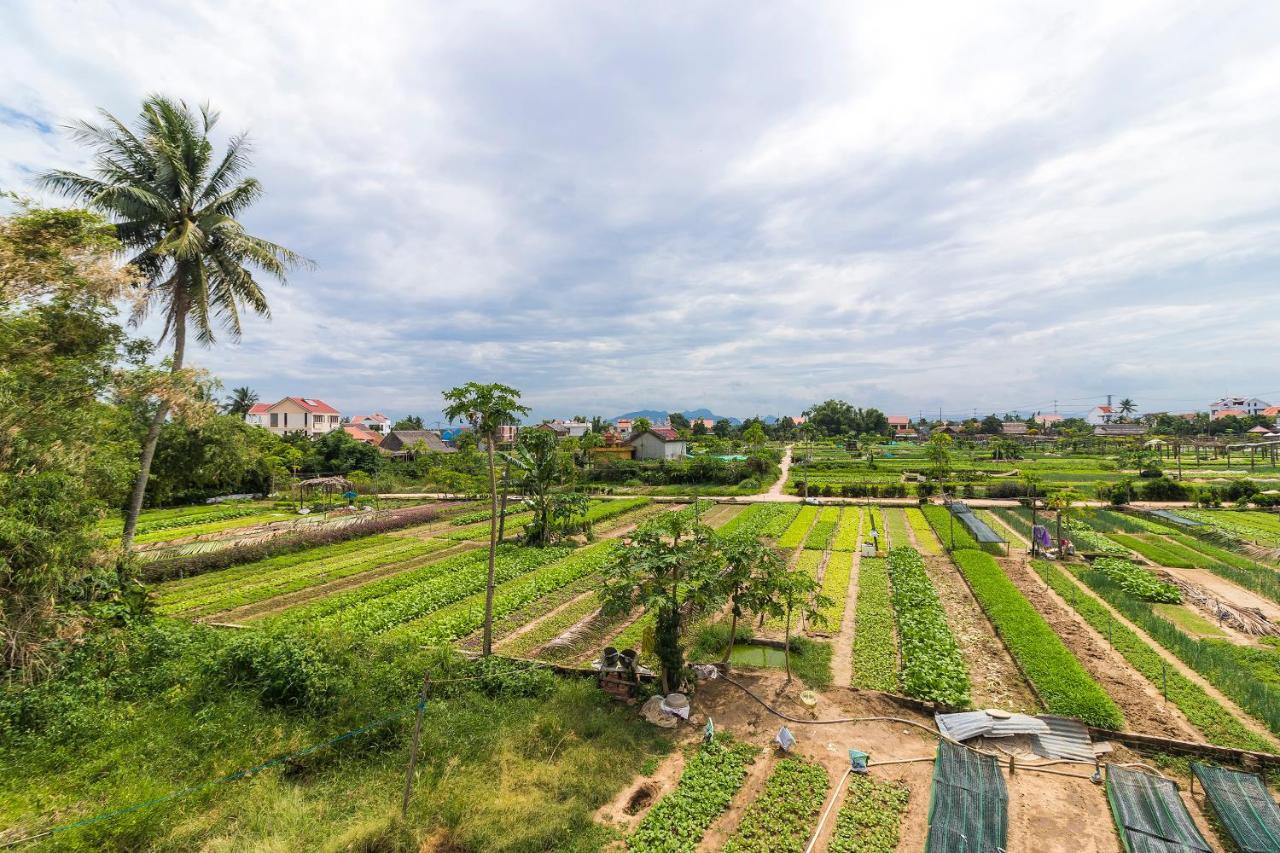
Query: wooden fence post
pixel 413 750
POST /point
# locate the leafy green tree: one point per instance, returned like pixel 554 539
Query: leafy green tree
pixel 752 579
pixel 699 428
pixel 722 428
pixel 798 591
pixel 412 422
pixel 991 425
pixel 536 467
pixel 671 565
pixel 65 453
pixel 677 420
pixel 833 417
pixel 873 421
pixel 754 435
pixel 196 459
pixel 589 442
pixel 640 425
pixel 336 452
pixel 487 407
pixel 175 205
pixel 242 399
pixel 938 452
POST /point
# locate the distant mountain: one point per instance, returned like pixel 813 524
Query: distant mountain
pixel 655 415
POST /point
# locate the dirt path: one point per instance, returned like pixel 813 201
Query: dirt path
pixel 1225 589
pixel 1145 710
pixel 1173 661
pixel 267 607
pixel 996 680
pixel 778 489
pixel 842 654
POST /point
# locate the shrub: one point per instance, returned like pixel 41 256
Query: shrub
pixel 283 670
pixel 1162 489
pixel 1137 581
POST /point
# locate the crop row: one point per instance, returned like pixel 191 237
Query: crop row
pixel 191 588
pixel 1060 681
pixel 302 576
pixel 1016 520
pixel 1250 525
pixel 455 621
pixel 780 818
pixel 925 537
pixel 177 522
pixel 551 627
pixel 762 519
pixel 1137 581
pixel 799 528
pixel 932 666
pixel 611 509
pixel 374 608
pixel 848 530
pixel 480 530
pixel 823 529
pixel 712 775
pixel 835 586
pixel 895 521
pixel 870 819
pixel 1202 710
pixel 875 650
pixel 1156 552
pixel 1246 675
pixel 948 529
pixel 1086 539
pixel 1110 521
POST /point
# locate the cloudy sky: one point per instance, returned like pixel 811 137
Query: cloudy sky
pixel 745 206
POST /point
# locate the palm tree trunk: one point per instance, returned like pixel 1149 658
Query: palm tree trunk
pixel 149 443
pixel 493 549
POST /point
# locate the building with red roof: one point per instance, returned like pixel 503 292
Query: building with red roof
pixel 296 414
pixel 658 443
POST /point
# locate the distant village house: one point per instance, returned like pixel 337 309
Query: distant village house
pixel 295 414
pixel 658 443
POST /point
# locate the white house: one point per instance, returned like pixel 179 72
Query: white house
pixel 377 422
pixel 296 414
pixel 658 443
pixel 1248 405
pixel 1101 415
pixel 569 429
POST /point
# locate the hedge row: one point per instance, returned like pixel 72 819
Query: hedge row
pixel 1062 683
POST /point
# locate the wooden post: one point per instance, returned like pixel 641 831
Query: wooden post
pixel 413 750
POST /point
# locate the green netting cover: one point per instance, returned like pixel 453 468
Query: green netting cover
pixel 979 528
pixel 1243 805
pixel 969 811
pixel 1150 815
pixel 1165 515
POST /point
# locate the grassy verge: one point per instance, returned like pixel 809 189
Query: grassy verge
pixel 932 666
pixel 875 648
pixel 1062 683
pixel 1202 710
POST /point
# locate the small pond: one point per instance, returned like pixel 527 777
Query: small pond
pixel 760 656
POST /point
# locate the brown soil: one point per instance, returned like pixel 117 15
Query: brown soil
pixel 995 678
pixel 1173 661
pixel 1049 813
pixel 261 609
pixel 472 640
pixel 1145 710
pixel 1227 591
pixel 625 811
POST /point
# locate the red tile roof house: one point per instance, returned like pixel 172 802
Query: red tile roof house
pixel 658 443
pixel 362 434
pixel 256 415
pixel 901 425
pixel 377 422
pixel 299 414
pixel 1230 413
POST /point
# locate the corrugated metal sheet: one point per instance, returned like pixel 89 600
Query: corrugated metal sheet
pixel 1066 738
pixel 1051 737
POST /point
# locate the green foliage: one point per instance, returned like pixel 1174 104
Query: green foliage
pixel 1062 683
pixel 932 666
pixel 1155 552
pixel 762 520
pixel 875 649
pixel 949 529
pixel 799 528
pixel 925 537
pixel 871 816
pixel 781 817
pixel 846 538
pixel 281 670
pixel 835 586
pixel 1233 670
pixel 712 774
pixel 1203 711
pixel 1137 581
pixel 822 530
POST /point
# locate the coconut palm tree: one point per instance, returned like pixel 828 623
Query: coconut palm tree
pixel 174 206
pixel 1127 407
pixel 486 408
pixel 242 399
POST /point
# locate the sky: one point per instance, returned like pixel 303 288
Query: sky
pixel 750 207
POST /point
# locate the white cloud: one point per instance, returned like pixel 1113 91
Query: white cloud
pixel 746 208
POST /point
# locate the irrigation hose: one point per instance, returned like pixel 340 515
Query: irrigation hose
pixel 835 795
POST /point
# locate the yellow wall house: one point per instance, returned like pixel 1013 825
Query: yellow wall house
pixel 299 414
